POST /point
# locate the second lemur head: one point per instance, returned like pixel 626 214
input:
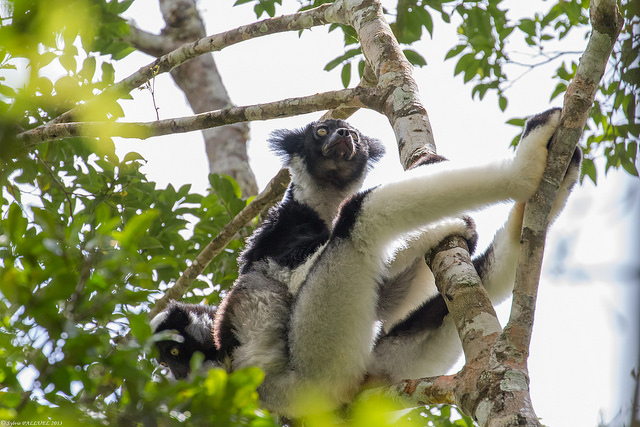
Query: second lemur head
pixel 330 152
pixel 191 325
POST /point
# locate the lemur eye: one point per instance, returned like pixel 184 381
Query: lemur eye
pixel 322 131
pixel 174 351
pixel 354 135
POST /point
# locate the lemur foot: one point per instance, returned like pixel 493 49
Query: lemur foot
pixel 531 155
pixel 568 182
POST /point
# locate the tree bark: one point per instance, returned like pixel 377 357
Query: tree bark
pixel 356 97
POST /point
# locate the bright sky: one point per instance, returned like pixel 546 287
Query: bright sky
pixel 582 322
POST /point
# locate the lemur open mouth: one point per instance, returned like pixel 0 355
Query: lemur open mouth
pixel 339 146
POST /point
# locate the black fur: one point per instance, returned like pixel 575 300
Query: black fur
pixel 326 156
pixel 348 214
pixel 538 120
pixel 429 315
pixel 289 234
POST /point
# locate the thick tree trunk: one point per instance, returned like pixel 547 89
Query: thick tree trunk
pixel 200 81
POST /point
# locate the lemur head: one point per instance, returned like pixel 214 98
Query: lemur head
pixel 192 325
pixel 330 151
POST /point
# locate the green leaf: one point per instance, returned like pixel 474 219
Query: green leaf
pixel 479 89
pixel 502 103
pixel 135 228
pixel 516 121
pixel 361 66
pixel 16 223
pixel 455 51
pixel 45 59
pixel 123 6
pixel 414 57
pixel 132 156
pixel 108 73
pixel 528 27
pixel 345 75
pixel 7 91
pixel 339 60
pixel 464 63
pixel 589 169
pixel 88 68
pixel 68 62
pixel 560 89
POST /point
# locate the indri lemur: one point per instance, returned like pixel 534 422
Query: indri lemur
pixel 330 263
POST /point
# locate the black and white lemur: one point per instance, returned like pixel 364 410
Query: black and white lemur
pixel 330 263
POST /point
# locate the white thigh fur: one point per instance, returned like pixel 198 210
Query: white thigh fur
pixel 409 281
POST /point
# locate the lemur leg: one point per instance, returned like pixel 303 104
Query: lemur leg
pixel 331 325
pixel 497 265
pixel 409 281
pixel 426 343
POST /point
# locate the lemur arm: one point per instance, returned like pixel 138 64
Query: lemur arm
pixel 425 343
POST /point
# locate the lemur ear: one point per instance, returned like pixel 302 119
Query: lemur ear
pixel 286 142
pixel 172 317
pixel 376 149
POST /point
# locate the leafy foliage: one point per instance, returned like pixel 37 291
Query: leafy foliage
pixel 87 243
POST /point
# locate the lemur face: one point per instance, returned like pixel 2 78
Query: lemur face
pixel 191 327
pixel 331 151
pixel 338 143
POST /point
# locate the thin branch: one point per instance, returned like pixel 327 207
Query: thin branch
pixel 358 97
pixel 401 101
pixel 466 298
pixel 607 23
pixel 54 178
pixel 272 193
pixel 531 67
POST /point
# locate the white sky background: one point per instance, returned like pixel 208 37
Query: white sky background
pixel 582 321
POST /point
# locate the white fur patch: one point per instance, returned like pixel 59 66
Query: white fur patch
pixel 157 320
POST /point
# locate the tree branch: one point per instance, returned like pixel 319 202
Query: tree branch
pixel 512 346
pixel 360 97
pixel 607 23
pixel 494 385
pixel 400 101
pixel 417 392
pixel 200 80
pixel 270 195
